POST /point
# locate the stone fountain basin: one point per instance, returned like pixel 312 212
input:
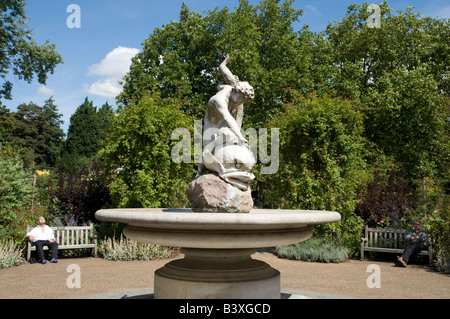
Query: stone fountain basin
pixel 184 228
pixel 217 248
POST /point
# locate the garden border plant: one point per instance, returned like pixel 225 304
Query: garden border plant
pixel 128 249
pixel 315 249
pixel 11 254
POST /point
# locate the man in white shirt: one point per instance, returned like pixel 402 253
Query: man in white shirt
pixel 43 235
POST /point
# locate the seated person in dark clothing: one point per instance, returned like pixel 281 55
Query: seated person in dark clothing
pixel 418 241
pixel 43 235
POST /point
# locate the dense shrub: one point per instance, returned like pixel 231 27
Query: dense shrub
pixel 321 166
pixel 78 195
pixel 314 249
pixel 15 186
pixel 386 199
pixel 138 151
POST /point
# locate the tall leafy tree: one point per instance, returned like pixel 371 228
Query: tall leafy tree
pixel 321 166
pixel 181 58
pixel 55 133
pixel 400 73
pixel 36 130
pixel 83 132
pixel 86 134
pixel 19 51
pixel 6 123
pixel 30 133
pixel 358 57
pixel 105 116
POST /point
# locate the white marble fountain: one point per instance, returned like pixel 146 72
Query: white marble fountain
pixel 221 231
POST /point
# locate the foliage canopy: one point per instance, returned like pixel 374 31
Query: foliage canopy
pixel 20 53
pixel 355 106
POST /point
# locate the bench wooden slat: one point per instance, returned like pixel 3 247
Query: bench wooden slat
pixel 395 241
pixel 33 248
pixel 389 240
pixel 393 250
pixel 70 237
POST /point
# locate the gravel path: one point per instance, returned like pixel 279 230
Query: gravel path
pixel 35 281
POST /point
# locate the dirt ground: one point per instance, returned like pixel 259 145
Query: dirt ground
pixel 350 278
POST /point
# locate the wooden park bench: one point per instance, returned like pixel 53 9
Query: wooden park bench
pixel 390 241
pixel 69 237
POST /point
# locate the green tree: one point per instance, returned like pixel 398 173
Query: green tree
pixel 181 58
pixel 321 161
pixel 36 131
pixel 55 133
pixel 6 123
pixel 105 117
pixel 138 149
pixel 404 117
pixel 20 53
pixel 83 137
pixel 30 134
pixel 400 73
pixel 359 56
pixel 86 134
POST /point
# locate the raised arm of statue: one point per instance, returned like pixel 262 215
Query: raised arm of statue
pixel 228 77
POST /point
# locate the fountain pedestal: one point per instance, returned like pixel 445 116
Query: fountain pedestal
pixel 217 248
pixel 218 274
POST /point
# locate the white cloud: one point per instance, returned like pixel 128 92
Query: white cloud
pixel 108 88
pixel 112 69
pixel 312 9
pixel 45 91
pixel 115 64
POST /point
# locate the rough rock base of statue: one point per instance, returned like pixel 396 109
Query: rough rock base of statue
pixel 210 193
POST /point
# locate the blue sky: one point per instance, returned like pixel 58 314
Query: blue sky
pixel 97 54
